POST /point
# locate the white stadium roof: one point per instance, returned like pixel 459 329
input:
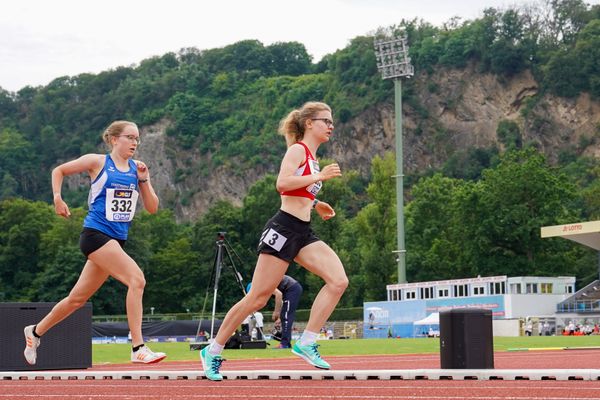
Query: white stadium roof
pixel 586 233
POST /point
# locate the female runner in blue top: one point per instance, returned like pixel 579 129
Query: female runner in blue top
pixel 117 182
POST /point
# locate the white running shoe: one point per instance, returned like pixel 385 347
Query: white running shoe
pixel 31 345
pixel 146 356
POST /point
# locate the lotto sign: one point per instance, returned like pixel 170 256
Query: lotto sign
pixel 123 194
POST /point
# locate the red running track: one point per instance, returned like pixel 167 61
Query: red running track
pixel 431 390
pixel 327 389
pixel 565 359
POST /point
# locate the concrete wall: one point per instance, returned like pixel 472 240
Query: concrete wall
pixel 506 327
pixel 531 305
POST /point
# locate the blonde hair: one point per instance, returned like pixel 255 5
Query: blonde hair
pixel 115 129
pixel 292 126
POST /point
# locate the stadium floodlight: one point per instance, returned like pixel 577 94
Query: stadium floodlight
pixel 392 57
pixel 391 51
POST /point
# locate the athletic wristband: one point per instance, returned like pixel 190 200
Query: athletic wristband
pixel 315 201
pixel 142 180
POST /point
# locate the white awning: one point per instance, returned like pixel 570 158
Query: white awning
pixel 586 233
pixel 431 319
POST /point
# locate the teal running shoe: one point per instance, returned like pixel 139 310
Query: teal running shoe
pixel 211 364
pixel 311 354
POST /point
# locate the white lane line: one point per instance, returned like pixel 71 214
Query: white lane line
pixel 339 385
pixel 278 396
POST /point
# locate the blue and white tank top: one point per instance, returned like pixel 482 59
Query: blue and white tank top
pixel 112 200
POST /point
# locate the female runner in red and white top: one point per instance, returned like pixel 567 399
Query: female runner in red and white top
pixel 287 237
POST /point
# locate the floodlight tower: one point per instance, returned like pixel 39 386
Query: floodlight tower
pixel 393 61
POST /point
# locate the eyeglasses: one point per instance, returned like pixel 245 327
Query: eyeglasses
pixel 327 121
pixel 132 138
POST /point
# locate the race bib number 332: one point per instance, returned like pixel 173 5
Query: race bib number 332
pixel 120 204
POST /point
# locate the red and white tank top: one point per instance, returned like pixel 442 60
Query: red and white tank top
pixel 309 167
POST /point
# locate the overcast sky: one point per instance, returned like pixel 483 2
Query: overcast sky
pixel 43 39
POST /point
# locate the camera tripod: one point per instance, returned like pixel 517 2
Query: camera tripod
pixel 223 249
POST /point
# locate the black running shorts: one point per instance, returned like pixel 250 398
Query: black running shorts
pixel 91 240
pixel 285 235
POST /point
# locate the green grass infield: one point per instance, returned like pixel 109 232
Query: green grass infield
pixel 120 353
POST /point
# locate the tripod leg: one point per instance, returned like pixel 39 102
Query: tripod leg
pixel 218 266
pixel 212 275
pixel 238 278
pixel 236 274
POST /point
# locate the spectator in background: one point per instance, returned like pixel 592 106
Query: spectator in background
pixel 371 320
pixel 287 297
pixel 571 328
pixel 256 326
pixel 528 327
pixel 546 328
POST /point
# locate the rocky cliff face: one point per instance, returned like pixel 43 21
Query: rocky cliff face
pixel 181 180
pixel 458 109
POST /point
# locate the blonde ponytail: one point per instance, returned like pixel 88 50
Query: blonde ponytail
pixel 292 126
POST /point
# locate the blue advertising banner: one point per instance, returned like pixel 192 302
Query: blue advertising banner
pixel 391 318
pixel 493 303
pixel 386 319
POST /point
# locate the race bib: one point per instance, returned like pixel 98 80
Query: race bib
pixel 314 169
pixel 120 204
pixel 274 239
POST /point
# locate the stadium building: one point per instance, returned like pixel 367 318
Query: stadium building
pixel 411 309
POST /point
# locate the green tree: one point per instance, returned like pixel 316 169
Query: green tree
pixel 459 47
pixel 149 233
pixel 289 58
pixel 22 224
pixel 563 74
pixel 433 249
pixel 587 55
pixel 8 108
pixel 509 134
pixel 568 17
pixel 9 186
pixel 260 204
pixel 428 53
pixel 59 274
pixel 507 58
pixel 500 218
pixel 16 160
pixel 173 278
pixel 376 230
pixel 469 163
pixel 61 232
pixel 346 247
pixel 590 192
pixel 60 265
pixel 222 217
pixel 340 195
